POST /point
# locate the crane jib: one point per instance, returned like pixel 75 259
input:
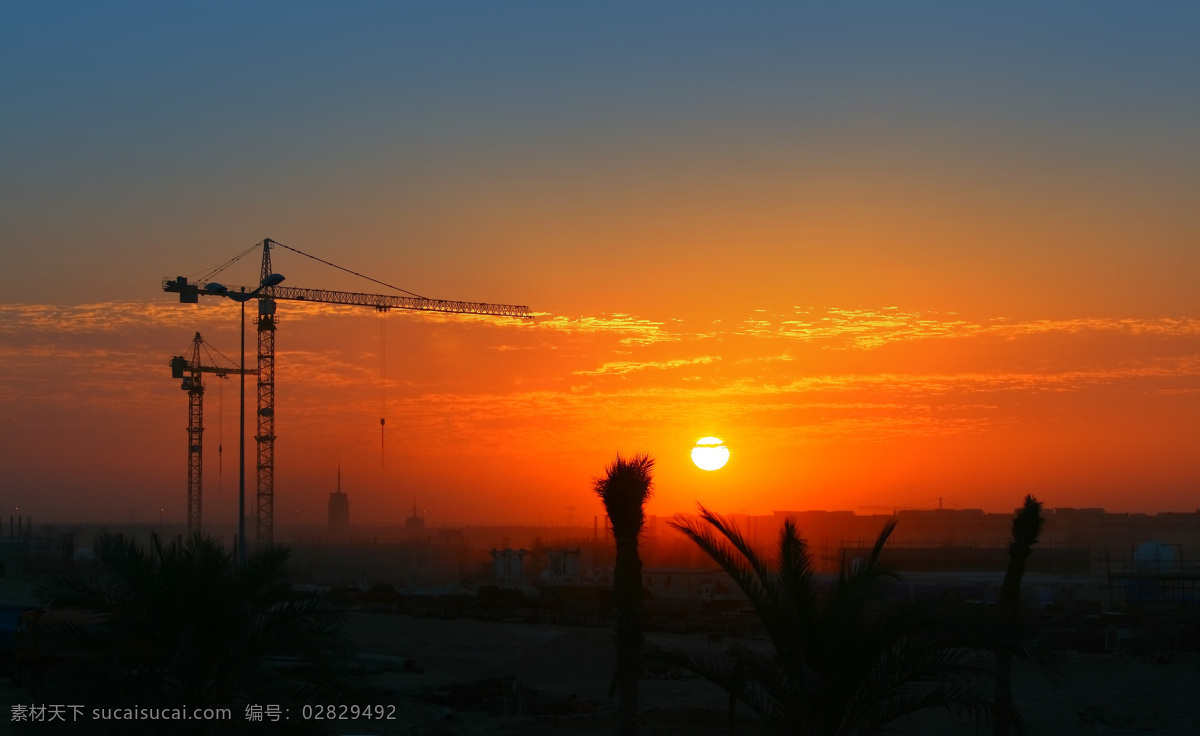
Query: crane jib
pixel 189 293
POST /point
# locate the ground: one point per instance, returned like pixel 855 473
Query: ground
pixel 464 677
pixel 567 671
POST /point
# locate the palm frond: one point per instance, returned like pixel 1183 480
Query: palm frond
pixel 1026 526
pixel 735 538
pixel 868 576
pixel 742 572
pixel 795 565
pixel 624 489
pixel 847 662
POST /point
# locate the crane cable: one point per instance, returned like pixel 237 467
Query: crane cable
pixel 355 273
pixel 205 276
pixel 209 350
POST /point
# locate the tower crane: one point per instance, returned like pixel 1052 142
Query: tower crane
pixel 190 369
pixel 267 294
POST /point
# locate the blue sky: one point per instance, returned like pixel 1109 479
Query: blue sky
pixel 131 126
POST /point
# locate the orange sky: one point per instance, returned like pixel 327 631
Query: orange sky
pixel 488 421
pixel 888 253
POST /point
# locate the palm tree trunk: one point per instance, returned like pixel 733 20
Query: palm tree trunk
pixel 627 602
pixel 624 489
pixel 1002 724
pixel 1009 605
pixel 1026 529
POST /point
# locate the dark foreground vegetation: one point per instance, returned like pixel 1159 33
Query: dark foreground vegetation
pixel 181 624
pixel 847 660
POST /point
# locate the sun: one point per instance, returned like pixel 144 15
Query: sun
pixel 710 453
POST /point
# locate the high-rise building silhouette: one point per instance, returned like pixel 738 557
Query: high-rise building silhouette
pixel 414 523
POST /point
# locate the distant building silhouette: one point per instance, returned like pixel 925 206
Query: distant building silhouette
pixel 339 510
pixel 414 523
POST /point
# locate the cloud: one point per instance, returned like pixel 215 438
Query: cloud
pixel 101 317
pixel 631 366
pixel 785 358
pixel 811 375
pixel 630 330
pixel 869 328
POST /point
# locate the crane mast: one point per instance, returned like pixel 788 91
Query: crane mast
pixel 190 369
pixel 264 438
pixel 266 328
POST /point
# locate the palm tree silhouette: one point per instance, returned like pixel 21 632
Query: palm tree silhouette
pixel 624 488
pixel 1026 529
pixel 846 660
pixel 183 624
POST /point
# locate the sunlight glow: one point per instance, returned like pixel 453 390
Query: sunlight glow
pixel 710 453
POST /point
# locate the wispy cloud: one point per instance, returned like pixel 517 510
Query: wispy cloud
pixel 630 330
pixel 623 367
pixel 872 328
pixel 811 375
pixel 101 317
